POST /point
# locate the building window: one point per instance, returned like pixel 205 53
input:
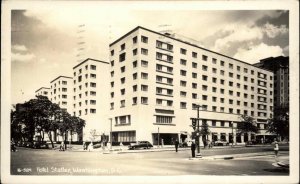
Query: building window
pixel 214 80
pixel 134 100
pixel 213 123
pixel 222 63
pixel 64 96
pixel 93 67
pixel 123 80
pixel 204 87
pixel 222 81
pixel 183 62
pixel 123 46
pixel 144 51
pixel 112 84
pixel 194 85
pixel 144 75
pixel 144 63
pixel 204 57
pixel 93 102
pixel 112 94
pixel 222 100
pixel 194 65
pixel 238 76
pixel 112 106
pixel 134 76
pixel 64 89
pixel 92 84
pixel 182 93
pixel 93 76
pixel 122 69
pixel 134 88
pixel 134 40
pixel 122 91
pixel 204 97
pixel 183 51
pixel 204 68
pixel 93 93
pixel 144 39
pixel 112 63
pixel 144 100
pixel 183 83
pixel 194 54
pixel 204 77
pixel 230 92
pixel 214 89
pixel 182 72
pixel 194 95
pixel 164 119
pixel 144 87
pixel 230 66
pixel 222 123
pixel 183 105
pixel 245 70
pixel 222 91
pixel 122 102
pixel 122 57
pixel 214 99
pixel 134 52
pixel 214 60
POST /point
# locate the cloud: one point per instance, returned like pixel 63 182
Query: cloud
pixel 19 47
pixel 22 57
pixel 237 33
pixel 258 52
pixel 272 31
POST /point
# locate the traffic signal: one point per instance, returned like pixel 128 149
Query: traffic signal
pixel 194 123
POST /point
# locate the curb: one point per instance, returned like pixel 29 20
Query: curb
pixel 233 156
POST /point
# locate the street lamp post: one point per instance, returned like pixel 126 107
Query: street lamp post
pixel 198 129
pixel 231 133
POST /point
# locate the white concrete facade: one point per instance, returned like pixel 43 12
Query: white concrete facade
pixel 43 91
pixel 157 80
pixel 91 96
pixel 61 92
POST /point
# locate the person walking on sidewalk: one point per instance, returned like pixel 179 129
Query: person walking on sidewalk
pixel 276 149
pixel 193 148
pixel 176 145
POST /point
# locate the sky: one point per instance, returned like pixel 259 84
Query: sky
pixel 44 42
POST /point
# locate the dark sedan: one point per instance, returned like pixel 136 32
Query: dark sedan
pixel 140 144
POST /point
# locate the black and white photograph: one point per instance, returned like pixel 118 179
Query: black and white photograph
pixel 150 91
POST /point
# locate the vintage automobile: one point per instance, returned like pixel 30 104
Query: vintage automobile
pixel 140 144
pixel 221 143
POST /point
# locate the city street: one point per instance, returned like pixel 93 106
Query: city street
pixel 53 162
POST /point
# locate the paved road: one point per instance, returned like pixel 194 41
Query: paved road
pixel 53 162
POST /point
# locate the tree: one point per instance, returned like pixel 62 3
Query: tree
pixel 279 124
pixel 247 125
pixel 204 131
pixel 40 115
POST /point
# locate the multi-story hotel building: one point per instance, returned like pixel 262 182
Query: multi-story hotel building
pixel 91 96
pixel 43 91
pixel 280 67
pixel 157 81
pixel 61 92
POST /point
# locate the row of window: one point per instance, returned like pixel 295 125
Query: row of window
pixel 92 111
pixel 92 102
pixel 92 67
pixel 92 76
pixel 62 82
pixel 144 100
pixel 92 93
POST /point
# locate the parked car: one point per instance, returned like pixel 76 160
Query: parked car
pixel 140 144
pixel 221 143
pixel 185 144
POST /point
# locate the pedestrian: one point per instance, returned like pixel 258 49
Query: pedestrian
pixel 208 143
pixel 176 145
pixel 84 147
pixel 62 146
pixel 162 143
pixel 193 148
pixel 91 147
pixel 276 149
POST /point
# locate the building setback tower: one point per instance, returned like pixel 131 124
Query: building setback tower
pixel 43 91
pixel 280 67
pixel 61 92
pixel 91 96
pixel 157 81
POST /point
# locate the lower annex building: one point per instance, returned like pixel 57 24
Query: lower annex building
pixel 158 80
